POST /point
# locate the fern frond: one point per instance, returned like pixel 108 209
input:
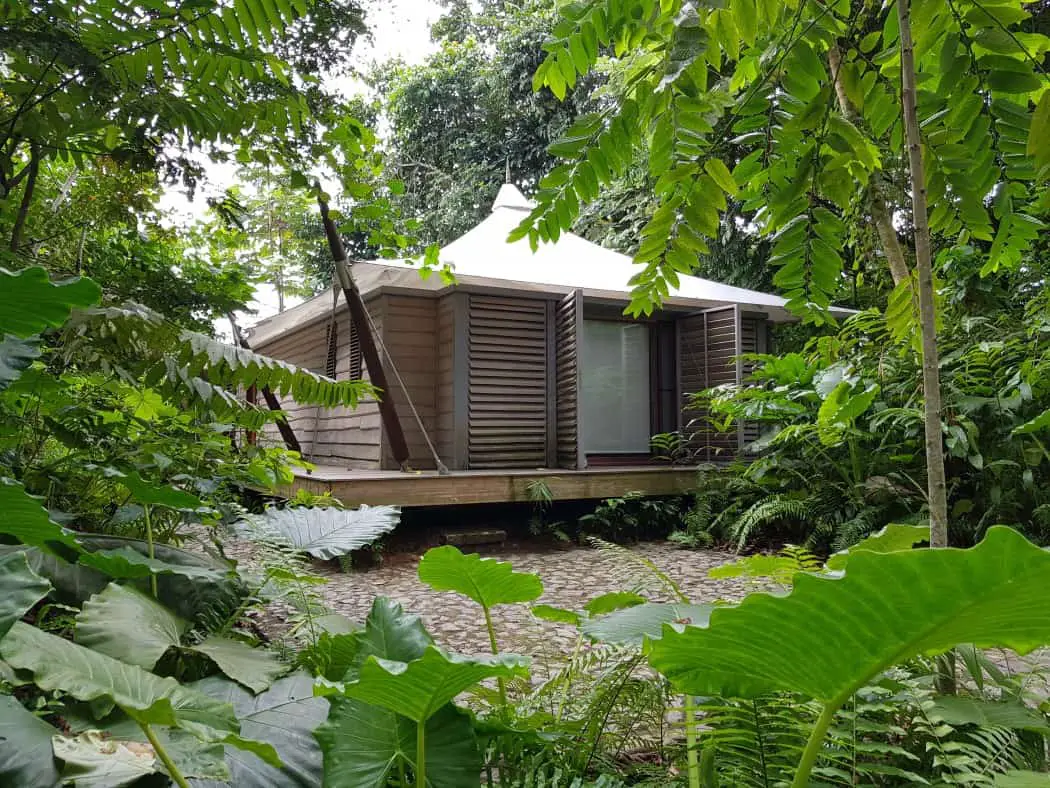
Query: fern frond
pixel 769 510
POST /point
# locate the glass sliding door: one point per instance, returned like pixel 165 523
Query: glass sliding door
pixel 615 387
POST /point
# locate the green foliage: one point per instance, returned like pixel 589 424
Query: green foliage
pixel 632 517
pixel 792 112
pixel 323 532
pixel 485 580
pixel 849 648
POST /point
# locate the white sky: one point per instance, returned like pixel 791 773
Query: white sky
pixel 400 29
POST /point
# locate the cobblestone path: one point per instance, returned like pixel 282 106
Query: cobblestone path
pixel 571 577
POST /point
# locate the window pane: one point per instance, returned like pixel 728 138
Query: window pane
pixel 615 387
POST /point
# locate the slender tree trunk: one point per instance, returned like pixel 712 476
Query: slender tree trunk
pixel 931 383
pixel 877 207
pixel 27 198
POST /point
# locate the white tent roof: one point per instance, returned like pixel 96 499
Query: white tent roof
pixel 482 257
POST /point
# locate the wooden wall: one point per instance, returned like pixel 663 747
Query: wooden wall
pixel 508 388
pixel 445 381
pixel 346 437
pixel 411 336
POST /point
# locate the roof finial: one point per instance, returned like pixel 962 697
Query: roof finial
pixel 507 177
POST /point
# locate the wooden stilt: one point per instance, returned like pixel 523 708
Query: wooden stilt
pixel 387 410
pixel 287 433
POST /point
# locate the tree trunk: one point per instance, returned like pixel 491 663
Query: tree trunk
pixel 880 212
pixel 27 198
pixel 931 383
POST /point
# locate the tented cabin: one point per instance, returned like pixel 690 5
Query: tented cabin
pixel 526 362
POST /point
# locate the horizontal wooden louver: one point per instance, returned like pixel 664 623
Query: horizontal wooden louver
pixel 567 354
pixel 708 349
pixel 507 402
pixel 750 342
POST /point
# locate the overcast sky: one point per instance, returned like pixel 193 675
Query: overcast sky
pixel 400 28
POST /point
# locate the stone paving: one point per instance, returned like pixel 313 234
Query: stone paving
pixel 571 577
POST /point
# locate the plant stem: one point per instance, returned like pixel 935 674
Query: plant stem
pixel 691 759
pixel 814 744
pixel 495 650
pixel 421 754
pixel 169 764
pixel 931 379
pixel 149 544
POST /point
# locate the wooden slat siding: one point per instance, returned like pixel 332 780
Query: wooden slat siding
pixel 409 329
pixel 721 353
pixel 567 354
pixel 444 381
pixel 507 389
pixel 350 437
pixel 752 340
pixel 708 346
pixel 304 348
pixel 346 437
pixel 692 377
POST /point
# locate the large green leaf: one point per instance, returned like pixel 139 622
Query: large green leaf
pixel 25 747
pixel 362 745
pixel 255 668
pixel 96 761
pixel 391 633
pixel 15 356
pixel 485 580
pixel 125 624
pixel 157 494
pixel 323 533
pixel 20 589
pixel 22 517
pixel 633 625
pixel 959 710
pixel 830 635
pixel 419 688
pixel 58 664
pixel 31 302
pixel 890 539
pixel 285 716
pixel 190 584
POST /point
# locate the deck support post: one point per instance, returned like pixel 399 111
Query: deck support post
pixel 287 433
pixel 359 317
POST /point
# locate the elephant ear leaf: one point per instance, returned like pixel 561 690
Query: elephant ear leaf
pixel 633 625
pixel 323 533
pixel 363 744
pixel 26 756
pixel 284 716
pixel 127 625
pixel 419 688
pixel 890 539
pixel 31 302
pixel 832 634
pixel 20 589
pixel 58 664
pixel 28 522
pixel 485 580
pixel 255 668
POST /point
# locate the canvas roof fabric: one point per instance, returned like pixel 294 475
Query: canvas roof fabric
pixel 482 257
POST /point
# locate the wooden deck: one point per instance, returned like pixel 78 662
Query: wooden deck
pixel 428 488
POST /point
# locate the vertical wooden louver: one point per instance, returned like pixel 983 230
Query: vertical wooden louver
pixel 567 352
pixel 332 352
pixel 507 412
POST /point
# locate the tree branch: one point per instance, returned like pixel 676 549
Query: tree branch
pixel 27 198
pixel 877 207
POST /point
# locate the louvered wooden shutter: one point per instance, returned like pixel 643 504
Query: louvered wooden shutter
pixel 567 353
pixel 709 344
pixel 332 343
pixel 507 392
pixel 751 341
pixel 355 352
